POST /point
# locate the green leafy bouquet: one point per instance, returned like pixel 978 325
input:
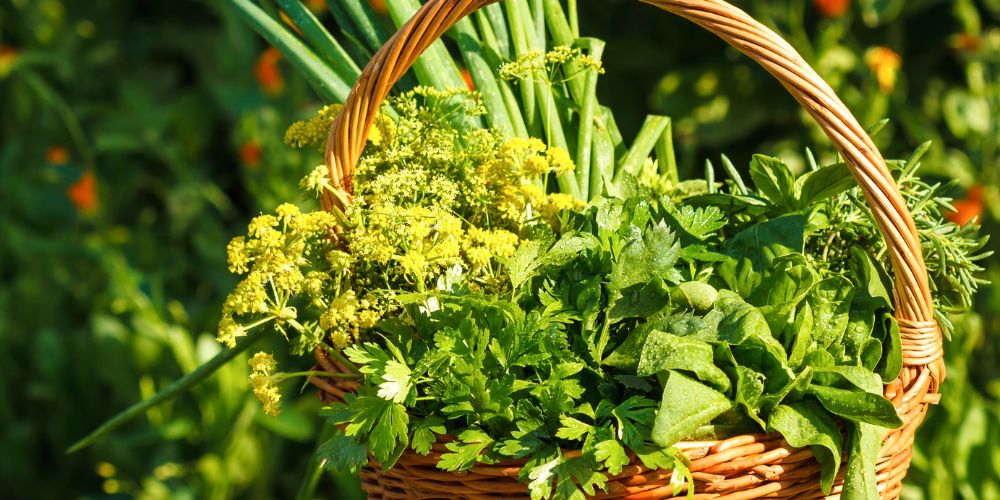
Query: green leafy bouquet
pixel 474 303
pixel 514 281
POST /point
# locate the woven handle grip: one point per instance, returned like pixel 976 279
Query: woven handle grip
pixel 921 337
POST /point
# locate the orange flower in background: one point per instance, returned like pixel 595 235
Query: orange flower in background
pixel 378 5
pixel 57 155
pixel 885 63
pixel 468 79
pixel 316 6
pixel 83 193
pixel 832 8
pixel 967 42
pixel 250 153
pixel 267 72
pixel 8 56
pixel 968 208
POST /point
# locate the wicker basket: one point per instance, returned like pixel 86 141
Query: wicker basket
pixel 741 467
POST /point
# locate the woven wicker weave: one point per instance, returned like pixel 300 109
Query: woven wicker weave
pixel 741 467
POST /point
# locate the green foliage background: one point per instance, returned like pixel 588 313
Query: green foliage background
pixel 159 102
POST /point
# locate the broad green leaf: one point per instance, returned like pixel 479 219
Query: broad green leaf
pixel 802 336
pixel 765 241
pixel 858 376
pixel 743 323
pixel 739 276
pixel 864 442
pixel 858 405
pixel 639 301
pixel 774 180
pixel 686 405
pixel 626 355
pixel 780 292
pixel 892 357
pixel 830 301
pixel 664 351
pixel 829 181
pixel 694 295
pixel 793 390
pixel 806 423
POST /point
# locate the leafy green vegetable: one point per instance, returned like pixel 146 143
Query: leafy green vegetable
pixel 686 405
pixel 806 424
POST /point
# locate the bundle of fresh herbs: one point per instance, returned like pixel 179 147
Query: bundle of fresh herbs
pixel 474 303
pixel 512 280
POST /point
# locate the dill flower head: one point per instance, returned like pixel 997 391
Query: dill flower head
pixel 538 66
pixel 229 331
pixel 559 160
pixel 314 131
pixel 263 383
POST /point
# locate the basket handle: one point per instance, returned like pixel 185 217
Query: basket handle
pixel 921 336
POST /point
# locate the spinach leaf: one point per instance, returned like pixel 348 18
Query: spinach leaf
pixel 830 301
pixel 892 350
pixel 743 323
pixel 858 405
pixel 801 337
pixel 686 405
pixel 664 351
pixel 765 241
pixel 781 291
pixel 864 441
pixel 737 274
pixel 806 423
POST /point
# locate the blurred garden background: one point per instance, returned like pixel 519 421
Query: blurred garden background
pixel 138 137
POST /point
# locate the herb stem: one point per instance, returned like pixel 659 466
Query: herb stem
pixel 170 392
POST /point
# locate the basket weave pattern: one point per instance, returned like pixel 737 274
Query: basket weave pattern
pixel 740 467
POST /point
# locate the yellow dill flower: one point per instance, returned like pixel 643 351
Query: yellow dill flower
pixel 519 147
pixel 237 255
pixel 261 225
pixel 317 180
pixel 485 245
pixel 314 131
pixel 557 202
pixel 341 318
pixel 314 284
pixel 263 362
pixel 250 296
pixel 413 263
pixel 263 384
pixel 229 331
pixel 535 166
pixel 559 160
pixel 287 213
pixel 368 318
